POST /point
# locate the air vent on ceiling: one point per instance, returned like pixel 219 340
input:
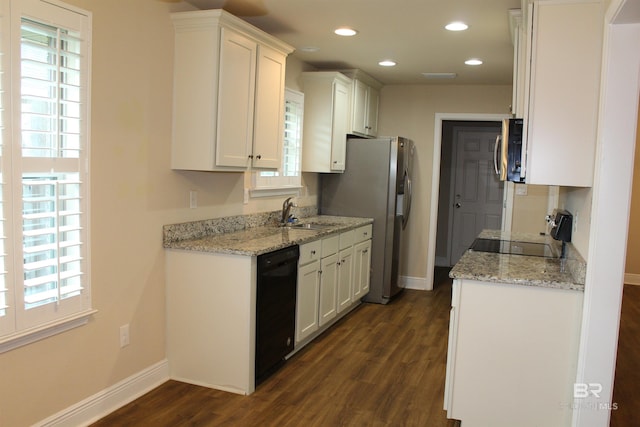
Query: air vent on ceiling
pixel 439 75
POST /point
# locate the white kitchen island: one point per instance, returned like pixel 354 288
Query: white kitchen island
pixel 513 340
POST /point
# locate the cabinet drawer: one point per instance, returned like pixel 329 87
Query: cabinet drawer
pixel 330 245
pixel 363 233
pixel 346 239
pixel 310 252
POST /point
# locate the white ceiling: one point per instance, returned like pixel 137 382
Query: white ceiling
pixel 411 32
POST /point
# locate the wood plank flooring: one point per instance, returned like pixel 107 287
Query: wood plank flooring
pixel 626 388
pixel 384 366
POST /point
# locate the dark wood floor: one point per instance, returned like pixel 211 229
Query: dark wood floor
pixel 626 389
pixel 384 366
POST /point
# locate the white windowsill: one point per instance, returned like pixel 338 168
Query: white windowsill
pixel 29 336
pixel 267 192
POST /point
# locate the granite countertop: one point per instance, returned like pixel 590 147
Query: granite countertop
pixel 520 269
pixel 261 239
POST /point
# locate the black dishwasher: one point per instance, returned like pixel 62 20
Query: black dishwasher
pixel 275 309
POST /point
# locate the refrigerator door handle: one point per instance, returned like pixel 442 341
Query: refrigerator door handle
pixel 495 155
pixel 406 200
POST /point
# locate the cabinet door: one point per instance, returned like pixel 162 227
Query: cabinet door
pixel 364 113
pixel 307 300
pixel 362 267
pixel 452 344
pixel 563 92
pixel 340 127
pixel 345 278
pixel 328 288
pixel 373 98
pixel 359 108
pixel 519 55
pixel 268 132
pixel 236 94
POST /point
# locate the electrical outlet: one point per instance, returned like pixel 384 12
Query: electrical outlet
pixel 193 199
pixel 575 223
pixel 124 335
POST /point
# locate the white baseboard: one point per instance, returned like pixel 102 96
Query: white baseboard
pixel 632 279
pixel 417 283
pixel 108 400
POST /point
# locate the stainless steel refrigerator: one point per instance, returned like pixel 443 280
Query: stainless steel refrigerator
pixel 376 184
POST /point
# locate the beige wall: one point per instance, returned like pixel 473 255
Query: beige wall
pixel 410 111
pixel 134 193
pixel 530 210
pixel 633 241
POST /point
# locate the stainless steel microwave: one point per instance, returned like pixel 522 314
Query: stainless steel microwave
pixel 508 152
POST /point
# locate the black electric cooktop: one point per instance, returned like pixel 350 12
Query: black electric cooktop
pixel 512 247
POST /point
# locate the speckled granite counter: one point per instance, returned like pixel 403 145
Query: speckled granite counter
pixel 250 236
pixel 522 270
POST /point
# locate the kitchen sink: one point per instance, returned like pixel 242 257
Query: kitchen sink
pixel 311 226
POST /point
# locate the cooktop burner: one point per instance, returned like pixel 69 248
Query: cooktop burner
pixel 512 247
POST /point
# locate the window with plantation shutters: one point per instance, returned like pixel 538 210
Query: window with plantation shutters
pixel 287 179
pixel 44 191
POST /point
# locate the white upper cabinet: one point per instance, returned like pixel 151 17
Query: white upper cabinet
pixel 228 109
pixel 327 100
pixel 519 60
pixel 269 108
pixel 562 91
pixel 364 104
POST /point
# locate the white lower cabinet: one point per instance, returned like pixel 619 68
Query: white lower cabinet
pixel 362 262
pixel 308 290
pixel 345 270
pixel 307 300
pixel 512 354
pixel 345 278
pixel 328 288
pixel 211 317
pixel 326 278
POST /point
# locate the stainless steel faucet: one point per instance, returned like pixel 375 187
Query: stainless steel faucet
pixel 286 208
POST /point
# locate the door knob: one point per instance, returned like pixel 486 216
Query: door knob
pixel 458 205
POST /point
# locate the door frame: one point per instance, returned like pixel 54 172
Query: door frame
pixel 435 179
pixel 617 121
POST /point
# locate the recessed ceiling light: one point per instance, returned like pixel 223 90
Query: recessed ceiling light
pixel 439 75
pixel 456 26
pixel 387 63
pixel 473 61
pixel 345 31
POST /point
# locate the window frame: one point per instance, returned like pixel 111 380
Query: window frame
pixel 264 186
pixel 20 326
